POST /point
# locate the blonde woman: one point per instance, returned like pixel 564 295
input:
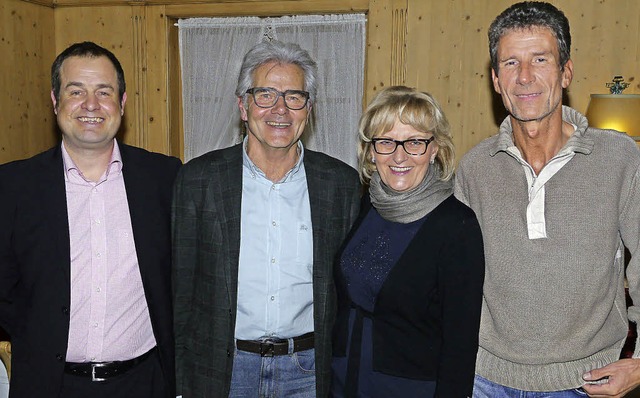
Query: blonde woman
pixel 410 276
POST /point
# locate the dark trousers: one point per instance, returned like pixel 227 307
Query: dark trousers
pixel 143 381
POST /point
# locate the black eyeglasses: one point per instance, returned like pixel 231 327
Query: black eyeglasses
pixel 414 146
pixel 266 97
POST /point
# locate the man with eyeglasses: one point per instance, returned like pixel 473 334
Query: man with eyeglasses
pixel 256 227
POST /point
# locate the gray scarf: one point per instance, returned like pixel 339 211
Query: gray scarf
pixel 408 206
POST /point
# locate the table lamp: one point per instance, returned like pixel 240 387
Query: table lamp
pixel 616 111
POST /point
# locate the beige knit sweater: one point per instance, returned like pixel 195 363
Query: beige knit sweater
pixel 554 307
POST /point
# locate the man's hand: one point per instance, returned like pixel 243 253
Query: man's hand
pixel 623 376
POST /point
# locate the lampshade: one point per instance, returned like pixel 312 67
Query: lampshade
pixel 615 111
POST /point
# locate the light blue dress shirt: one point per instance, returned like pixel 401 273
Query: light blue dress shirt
pixel 275 278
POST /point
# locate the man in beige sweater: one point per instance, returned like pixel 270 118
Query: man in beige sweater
pixel 557 201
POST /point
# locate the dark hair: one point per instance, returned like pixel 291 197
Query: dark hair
pixel 527 15
pixel 85 49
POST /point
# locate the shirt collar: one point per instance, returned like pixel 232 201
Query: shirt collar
pixel 579 142
pixel 114 166
pixel 247 162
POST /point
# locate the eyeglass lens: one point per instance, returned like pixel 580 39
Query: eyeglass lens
pixel 266 97
pixel 412 147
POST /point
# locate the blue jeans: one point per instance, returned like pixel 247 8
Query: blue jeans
pixel 483 388
pixel 292 375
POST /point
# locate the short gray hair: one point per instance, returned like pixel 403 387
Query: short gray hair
pixel 282 53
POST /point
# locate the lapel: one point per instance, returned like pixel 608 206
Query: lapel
pixel 137 186
pixel 320 194
pixel 224 192
pixel 54 202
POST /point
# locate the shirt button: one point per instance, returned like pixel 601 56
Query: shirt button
pixel 273 223
pixel 273 261
pixel 65 310
pixel 59 357
pixel 95 325
pixel 98 289
pixel 273 298
pixel 98 254
pixel 98 222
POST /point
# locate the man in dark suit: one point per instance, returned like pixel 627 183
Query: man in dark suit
pixel 255 230
pixel 85 262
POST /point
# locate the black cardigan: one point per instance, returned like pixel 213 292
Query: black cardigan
pixel 427 313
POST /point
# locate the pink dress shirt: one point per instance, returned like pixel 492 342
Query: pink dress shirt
pixel 109 314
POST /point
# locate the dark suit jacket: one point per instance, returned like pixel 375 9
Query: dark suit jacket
pixel 427 314
pixel 35 261
pixel 206 243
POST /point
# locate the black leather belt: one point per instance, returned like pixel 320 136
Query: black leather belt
pixel 101 371
pixel 272 347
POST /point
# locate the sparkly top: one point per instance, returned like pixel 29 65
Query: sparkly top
pixel 371 254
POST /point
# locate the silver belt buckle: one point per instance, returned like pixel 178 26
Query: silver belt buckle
pixel 93 371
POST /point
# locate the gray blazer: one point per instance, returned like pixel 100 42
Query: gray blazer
pixel 206 247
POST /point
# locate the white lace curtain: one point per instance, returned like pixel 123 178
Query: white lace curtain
pixel 211 52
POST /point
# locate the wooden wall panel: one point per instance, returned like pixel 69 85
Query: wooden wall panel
pixel 48 3
pixel 385 50
pixel 264 7
pixel 159 113
pixel 447 55
pixel 26 42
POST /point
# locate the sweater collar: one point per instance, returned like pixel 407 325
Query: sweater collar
pixel 579 142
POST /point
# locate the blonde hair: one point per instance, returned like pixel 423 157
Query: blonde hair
pixel 408 106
